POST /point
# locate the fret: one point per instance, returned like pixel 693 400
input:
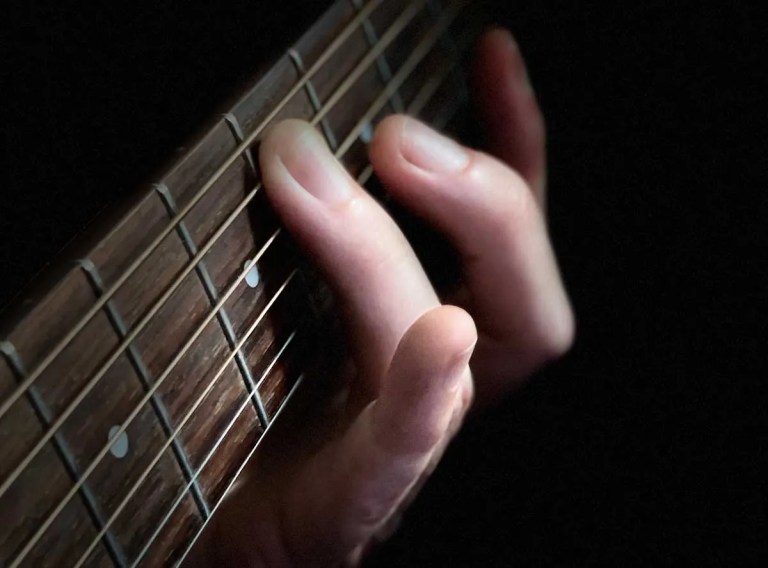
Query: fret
pixel 237 132
pixel 243 464
pixel 229 435
pixel 147 381
pixel 259 101
pixel 313 98
pixel 247 234
pixel 436 9
pixel 161 342
pixel 470 27
pixel 343 116
pixel 218 406
pixel 38 489
pixel 400 50
pixel 385 72
pixel 213 296
pixel 87 430
pixel 226 259
pixel 198 164
pixel 210 402
pixel 64 452
pixel 325 30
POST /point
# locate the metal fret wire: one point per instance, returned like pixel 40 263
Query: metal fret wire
pixel 96 460
pixel 184 490
pixel 241 467
pixel 421 99
pixel 405 70
pixel 105 367
pixel 364 176
pixel 359 69
pixel 239 150
pixel 418 54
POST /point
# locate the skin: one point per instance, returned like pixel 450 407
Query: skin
pixel 415 363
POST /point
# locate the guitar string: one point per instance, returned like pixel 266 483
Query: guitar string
pixel 422 98
pixel 234 478
pixel 404 18
pixel 406 69
pixel 420 101
pixel 184 491
pixel 96 460
pixel 244 463
pixel 179 217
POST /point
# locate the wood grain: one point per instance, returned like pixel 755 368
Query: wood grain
pixel 241 368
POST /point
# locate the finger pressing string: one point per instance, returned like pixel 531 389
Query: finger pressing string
pixel 489 213
pixel 379 282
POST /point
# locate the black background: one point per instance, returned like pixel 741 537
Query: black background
pixel 646 445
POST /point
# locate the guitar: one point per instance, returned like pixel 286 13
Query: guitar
pixel 166 345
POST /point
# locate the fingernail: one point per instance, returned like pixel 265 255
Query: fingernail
pixel 314 169
pixel 431 151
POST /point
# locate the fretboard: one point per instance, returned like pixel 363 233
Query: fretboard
pixel 137 386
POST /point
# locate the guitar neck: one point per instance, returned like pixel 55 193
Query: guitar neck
pixel 136 387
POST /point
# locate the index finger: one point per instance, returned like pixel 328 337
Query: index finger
pixel 380 283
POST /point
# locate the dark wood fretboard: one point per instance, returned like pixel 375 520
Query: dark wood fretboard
pixel 135 387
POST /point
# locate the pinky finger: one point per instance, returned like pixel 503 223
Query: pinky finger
pixel 349 490
pixel 508 108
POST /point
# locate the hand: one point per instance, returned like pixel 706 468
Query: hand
pixel 410 354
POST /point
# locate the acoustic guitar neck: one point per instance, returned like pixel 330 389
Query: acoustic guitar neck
pixel 138 384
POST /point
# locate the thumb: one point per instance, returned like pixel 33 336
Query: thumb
pixel 352 487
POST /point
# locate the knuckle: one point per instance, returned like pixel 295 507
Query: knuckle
pixel 520 206
pixel 515 206
pixel 424 439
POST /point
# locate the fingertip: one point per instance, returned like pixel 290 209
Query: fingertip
pixel 444 333
pixel 279 136
pixel 430 366
pixel 295 159
pixel 497 38
pixel 385 144
pixel 560 333
pixel 277 139
pixel 433 353
pixel 508 109
pixel 497 59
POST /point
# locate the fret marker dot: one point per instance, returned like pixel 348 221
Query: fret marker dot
pixel 119 447
pixel 252 278
pixel 366 134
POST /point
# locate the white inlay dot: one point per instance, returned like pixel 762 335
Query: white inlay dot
pixel 119 447
pixel 252 278
pixel 366 134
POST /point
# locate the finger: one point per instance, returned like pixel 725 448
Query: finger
pixel 416 403
pixel 379 281
pixel 508 109
pixel 488 212
pixel 349 490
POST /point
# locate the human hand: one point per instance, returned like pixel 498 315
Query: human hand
pixel 410 354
